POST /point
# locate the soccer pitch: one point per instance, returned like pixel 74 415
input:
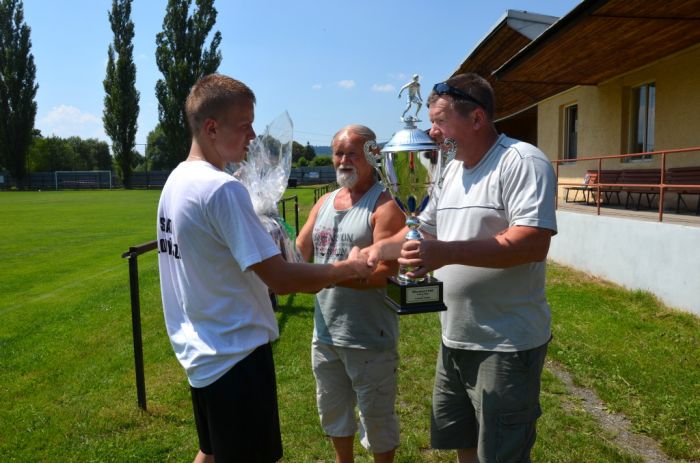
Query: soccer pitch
pixel 67 384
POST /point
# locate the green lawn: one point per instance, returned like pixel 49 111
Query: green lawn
pixel 66 359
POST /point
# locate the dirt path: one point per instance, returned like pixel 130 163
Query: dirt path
pixel 618 425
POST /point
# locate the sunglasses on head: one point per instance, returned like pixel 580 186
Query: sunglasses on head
pixel 443 88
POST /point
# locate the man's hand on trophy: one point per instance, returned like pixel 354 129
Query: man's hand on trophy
pixel 422 256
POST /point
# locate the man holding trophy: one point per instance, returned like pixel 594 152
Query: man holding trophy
pixel 487 228
pixel 354 349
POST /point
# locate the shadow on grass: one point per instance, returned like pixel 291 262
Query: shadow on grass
pixel 293 306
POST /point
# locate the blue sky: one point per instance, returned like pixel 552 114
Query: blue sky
pixel 327 63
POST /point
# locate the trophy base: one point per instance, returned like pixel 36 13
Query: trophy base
pixel 410 298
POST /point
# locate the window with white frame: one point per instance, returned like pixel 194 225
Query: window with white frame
pixel 641 124
pixel 570 132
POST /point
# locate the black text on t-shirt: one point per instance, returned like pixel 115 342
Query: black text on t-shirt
pixel 165 244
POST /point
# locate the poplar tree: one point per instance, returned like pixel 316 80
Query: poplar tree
pixel 121 97
pixel 17 89
pixel 156 149
pixel 182 58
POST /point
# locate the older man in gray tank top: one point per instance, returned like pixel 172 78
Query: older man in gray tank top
pixel 354 349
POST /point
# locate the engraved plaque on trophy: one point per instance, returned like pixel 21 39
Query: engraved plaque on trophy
pixel 409 165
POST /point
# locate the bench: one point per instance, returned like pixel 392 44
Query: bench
pixel 590 184
pixel 652 177
pixel 609 176
pixel 684 176
pixel 640 176
pixel 585 189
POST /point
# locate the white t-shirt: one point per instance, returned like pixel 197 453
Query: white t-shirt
pixel 494 309
pixel 217 311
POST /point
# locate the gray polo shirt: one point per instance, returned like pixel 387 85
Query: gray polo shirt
pixel 494 309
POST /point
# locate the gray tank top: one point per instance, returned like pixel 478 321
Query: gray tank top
pixel 344 316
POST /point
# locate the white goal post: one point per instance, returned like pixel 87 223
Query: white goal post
pixel 82 179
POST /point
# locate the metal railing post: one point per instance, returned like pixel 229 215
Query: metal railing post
pixel 556 199
pixel 136 328
pixel 597 196
pixel 662 188
pixel 132 254
pixel 283 207
pixel 296 214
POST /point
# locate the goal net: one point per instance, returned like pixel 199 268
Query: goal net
pixel 83 179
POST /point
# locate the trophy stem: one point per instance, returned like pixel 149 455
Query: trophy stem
pixel 412 223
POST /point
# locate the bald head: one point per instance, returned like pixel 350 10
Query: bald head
pixel 363 131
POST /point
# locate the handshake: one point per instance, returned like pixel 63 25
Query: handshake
pixel 364 262
pixel 358 261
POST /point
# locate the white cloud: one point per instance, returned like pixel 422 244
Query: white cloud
pixel 316 86
pixel 68 121
pixel 399 76
pixel 346 83
pixel 383 88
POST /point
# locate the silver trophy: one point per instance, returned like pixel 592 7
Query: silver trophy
pixel 410 165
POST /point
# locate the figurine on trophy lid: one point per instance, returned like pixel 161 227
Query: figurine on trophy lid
pixel 410 165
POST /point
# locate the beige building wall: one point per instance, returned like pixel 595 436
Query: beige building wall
pixel 603 113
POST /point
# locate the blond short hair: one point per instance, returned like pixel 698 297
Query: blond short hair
pixel 212 96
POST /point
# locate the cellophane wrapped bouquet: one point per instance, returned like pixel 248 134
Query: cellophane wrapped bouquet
pixel 265 173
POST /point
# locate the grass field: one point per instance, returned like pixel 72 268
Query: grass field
pixel 66 361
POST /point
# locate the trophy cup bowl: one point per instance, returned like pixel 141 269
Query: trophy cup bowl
pixel 410 165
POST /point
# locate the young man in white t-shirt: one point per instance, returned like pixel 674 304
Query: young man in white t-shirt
pixel 216 264
pixel 488 227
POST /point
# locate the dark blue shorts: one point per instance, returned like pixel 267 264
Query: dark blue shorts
pixel 236 416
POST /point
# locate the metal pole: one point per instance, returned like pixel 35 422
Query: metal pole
pixel 600 164
pixel 296 213
pixel 662 189
pixel 136 326
pixel 556 197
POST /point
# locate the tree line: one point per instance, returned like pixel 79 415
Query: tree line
pixel 47 154
pixel 182 55
pixel 303 156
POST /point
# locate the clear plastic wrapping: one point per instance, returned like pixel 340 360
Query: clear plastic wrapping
pixel 265 173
